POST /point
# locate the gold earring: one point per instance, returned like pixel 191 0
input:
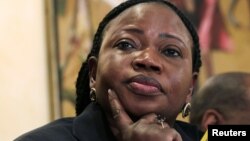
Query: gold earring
pixel 92 94
pixel 186 110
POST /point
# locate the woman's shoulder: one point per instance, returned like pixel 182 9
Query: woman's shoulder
pixel 58 130
pixel 188 131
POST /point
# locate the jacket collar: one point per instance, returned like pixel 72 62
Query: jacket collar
pixel 92 125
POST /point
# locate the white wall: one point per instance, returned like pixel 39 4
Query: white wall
pixel 23 67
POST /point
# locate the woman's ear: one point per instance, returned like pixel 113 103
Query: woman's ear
pixel 195 77
pixel 92 63
pixel 191 89
pixel 211 117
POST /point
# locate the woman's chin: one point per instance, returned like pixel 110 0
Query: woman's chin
pixel 137 112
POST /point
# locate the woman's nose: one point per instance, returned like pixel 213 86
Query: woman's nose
pixel 147 60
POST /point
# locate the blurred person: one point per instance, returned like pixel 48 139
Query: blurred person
pixel 223 99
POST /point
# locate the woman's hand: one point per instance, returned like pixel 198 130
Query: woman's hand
pixel 145 129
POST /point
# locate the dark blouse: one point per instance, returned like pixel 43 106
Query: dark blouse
pixel 91 125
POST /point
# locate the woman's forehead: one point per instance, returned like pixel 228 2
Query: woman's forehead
pixel 141 10
pixel 148 7
pixel 158 16
pixel 134 12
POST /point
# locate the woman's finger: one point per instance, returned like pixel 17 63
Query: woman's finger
pixel 119 114
pixel 172 135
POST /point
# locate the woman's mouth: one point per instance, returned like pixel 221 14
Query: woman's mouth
pixel 146 86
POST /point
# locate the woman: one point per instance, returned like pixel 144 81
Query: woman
pixel 139 75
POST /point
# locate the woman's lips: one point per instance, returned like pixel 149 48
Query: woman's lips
pixel 143 85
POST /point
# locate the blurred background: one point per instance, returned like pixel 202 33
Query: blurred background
pixel 43 43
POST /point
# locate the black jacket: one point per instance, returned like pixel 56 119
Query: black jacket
pixel 91 125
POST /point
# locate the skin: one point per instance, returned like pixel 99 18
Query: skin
pixel 144 69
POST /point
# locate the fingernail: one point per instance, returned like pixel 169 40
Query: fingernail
pixel 110 94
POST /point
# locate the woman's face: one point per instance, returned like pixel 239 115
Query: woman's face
pixel 146 58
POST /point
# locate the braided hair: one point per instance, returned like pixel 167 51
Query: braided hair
pixel 82 83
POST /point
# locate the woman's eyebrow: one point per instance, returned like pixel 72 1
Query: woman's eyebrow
pixel 166 35
pixel 135 30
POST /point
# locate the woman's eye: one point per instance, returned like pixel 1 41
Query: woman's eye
pixel 171 52
pixel 124 45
